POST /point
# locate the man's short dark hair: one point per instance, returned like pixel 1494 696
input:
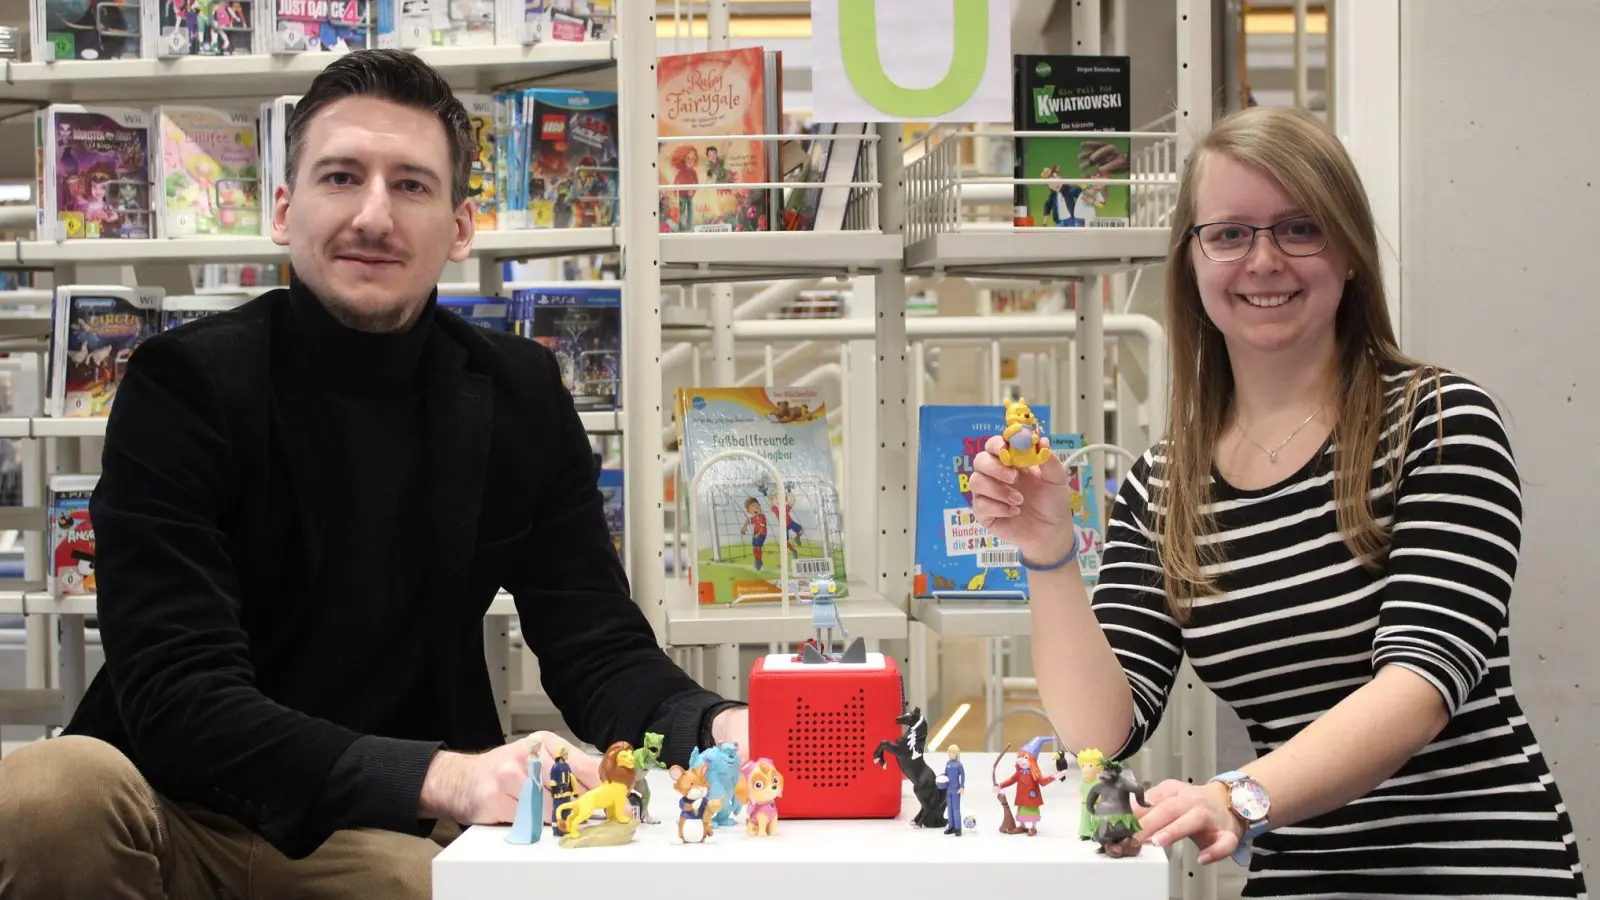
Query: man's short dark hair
pixel 398 76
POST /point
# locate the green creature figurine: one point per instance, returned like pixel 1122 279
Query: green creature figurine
pixel 645 758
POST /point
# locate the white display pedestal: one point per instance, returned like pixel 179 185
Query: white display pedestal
pixel 809 858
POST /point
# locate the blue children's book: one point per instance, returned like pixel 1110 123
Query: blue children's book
pixel 1085 504
pixel 955 557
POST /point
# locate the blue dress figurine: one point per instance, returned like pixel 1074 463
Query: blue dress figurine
pixel 528 825
pixel 955 784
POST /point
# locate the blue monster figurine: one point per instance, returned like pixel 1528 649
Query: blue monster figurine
pixel 722 772
pixel 528 825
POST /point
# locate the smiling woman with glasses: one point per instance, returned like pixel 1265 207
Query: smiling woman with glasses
pixel 1329 532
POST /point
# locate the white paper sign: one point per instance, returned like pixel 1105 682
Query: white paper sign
pixel 911 60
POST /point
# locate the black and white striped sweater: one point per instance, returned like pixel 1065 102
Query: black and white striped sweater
pixel 1301 624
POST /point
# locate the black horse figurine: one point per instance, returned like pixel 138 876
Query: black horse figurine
pixel 908 752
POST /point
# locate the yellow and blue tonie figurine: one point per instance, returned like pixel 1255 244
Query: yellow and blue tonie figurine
pixel 1024 437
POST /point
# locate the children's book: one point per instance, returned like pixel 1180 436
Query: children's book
pixel 204 27
pixel 571 158
pixel 583 326
pixel 208 172
pixel 735 515
pixel 611 500
pixel 71 534
pixel 97 182
pixel 96 331
pixel 955 557
pixel 1085 489
pixel 1071 93
pixel 713 96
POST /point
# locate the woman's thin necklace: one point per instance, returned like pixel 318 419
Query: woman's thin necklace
pixel 1272 455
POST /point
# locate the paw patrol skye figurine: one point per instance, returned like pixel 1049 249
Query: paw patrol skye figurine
pixel 1025 444
pixel 758 789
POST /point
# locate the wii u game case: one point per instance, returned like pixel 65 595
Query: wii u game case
pixel 96 330
pixel 95 172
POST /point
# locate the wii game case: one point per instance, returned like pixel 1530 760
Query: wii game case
pixel 89 30
pixel 71 534
pixel 536 21
pixel 95 172
pixel 204 27
pixel 208 169
pixel 274 137
pixel 315 26
pixel 485 173
pixel 96 330
pixel 409 24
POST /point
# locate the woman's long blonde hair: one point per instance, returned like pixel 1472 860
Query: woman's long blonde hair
pixel 1312 166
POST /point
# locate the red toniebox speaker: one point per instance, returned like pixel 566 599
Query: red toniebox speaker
pixel 819 723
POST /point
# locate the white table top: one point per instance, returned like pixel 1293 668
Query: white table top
pixel 838 858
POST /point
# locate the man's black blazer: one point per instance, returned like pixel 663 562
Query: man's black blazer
pixel 210 518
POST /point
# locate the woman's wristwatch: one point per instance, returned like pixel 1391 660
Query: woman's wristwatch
pixel 1249 802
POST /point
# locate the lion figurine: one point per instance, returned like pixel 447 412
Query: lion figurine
pixel 617 772
pixel 1025 445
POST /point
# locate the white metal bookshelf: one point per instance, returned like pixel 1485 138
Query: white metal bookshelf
pixel 916 226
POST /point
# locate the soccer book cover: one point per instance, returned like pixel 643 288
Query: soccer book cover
pixel 740 528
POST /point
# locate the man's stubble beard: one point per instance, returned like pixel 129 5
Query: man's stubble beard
pixel 380 322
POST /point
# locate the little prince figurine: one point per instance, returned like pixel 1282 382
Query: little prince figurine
pixel 529 822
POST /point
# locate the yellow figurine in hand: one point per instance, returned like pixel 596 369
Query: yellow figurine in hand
pixel 1024 445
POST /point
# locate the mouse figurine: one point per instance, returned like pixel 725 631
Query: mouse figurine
pixel 695 803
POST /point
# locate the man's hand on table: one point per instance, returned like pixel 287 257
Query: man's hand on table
pixel 482 788
pixel 733 724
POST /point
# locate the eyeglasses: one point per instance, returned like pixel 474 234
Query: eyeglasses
pixel 1233 241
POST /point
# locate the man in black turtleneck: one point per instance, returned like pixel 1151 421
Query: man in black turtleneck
pixel 306 506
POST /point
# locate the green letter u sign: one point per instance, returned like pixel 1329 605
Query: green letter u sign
pixel 858 45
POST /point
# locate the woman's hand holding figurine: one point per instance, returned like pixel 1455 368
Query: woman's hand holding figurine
pixel 1028 507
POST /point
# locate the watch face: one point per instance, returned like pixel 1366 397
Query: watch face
pixel 1250 801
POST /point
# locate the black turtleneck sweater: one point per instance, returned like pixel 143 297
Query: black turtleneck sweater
pixel 373 589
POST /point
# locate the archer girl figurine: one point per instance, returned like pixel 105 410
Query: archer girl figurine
pixel 1029 780
pixel 1024 439
pixel 528 825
